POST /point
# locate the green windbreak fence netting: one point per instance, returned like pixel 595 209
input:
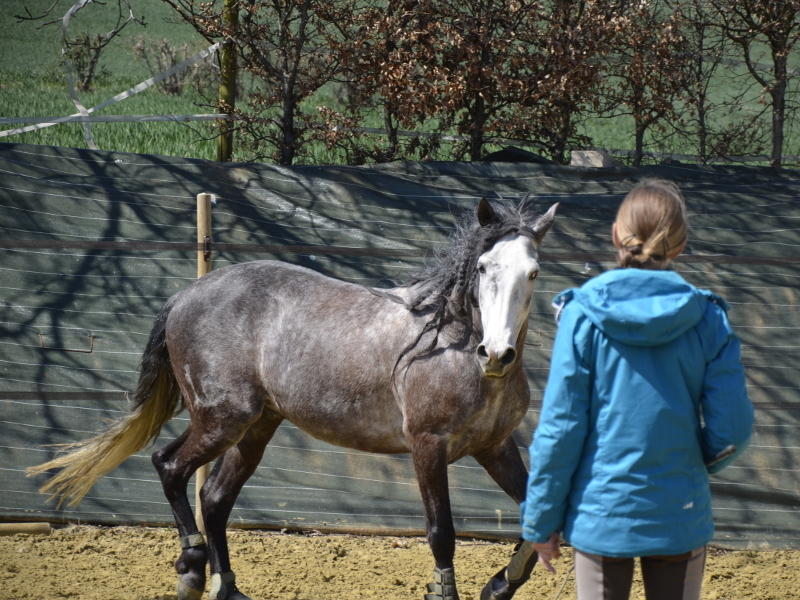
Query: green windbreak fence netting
pixel 93 243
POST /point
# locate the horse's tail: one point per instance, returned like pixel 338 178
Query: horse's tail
pixel 155 402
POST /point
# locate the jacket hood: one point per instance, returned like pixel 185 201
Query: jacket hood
pixel 640 307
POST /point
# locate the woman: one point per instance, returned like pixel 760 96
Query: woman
pixel 646 396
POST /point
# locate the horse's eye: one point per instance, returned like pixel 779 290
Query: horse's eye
pixel 533 275
pixel 481 269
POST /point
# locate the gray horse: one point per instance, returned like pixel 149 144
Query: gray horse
pixel 432 368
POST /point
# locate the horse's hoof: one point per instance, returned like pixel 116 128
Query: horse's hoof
pixel 223 587
pixel 444 585
pixel 498 588
pixel 508 580
pixel 191 569
pixel 185 592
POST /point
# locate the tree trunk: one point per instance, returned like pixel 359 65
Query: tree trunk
pixel 702 131
pixel 389 125
pixel 476 131
pixel 639 147
pixel 778 110
pixel 94 57
pixel 702 112
pixel 391 131
pixel 559 148
pixel 227 82
pixel 287 126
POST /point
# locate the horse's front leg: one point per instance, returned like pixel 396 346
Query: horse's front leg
pixel 429 452
pixel 504 464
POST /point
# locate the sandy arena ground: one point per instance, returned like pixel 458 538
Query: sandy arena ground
pixel 134 563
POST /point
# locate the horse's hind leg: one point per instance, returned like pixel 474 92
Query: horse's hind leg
pixel 175 473
pixel 202 442
pixel 219 493
pixel 176 463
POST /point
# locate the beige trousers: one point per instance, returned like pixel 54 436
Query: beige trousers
pixel 673 577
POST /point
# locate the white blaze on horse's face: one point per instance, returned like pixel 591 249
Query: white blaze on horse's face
pixel 505 290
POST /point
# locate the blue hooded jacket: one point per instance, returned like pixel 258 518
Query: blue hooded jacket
pixel 646 386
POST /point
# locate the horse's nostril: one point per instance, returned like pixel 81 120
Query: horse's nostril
pixel 509 356
pixel 481 352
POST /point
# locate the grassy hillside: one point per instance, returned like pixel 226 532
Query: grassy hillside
pixel 31 48
pixel 33 82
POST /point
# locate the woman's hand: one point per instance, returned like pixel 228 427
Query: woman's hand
pixel 548 551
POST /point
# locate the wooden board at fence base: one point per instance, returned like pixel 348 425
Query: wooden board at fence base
pixel 83 264
pixel 25 528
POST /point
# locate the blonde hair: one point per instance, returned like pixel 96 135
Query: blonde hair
pixel 651 225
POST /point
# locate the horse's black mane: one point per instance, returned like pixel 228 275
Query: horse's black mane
pixel 447 284
pixel 449 279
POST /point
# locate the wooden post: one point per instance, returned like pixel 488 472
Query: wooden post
pixel 203 267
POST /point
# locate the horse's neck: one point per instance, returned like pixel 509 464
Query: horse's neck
pixel 410 294
pixel 460 330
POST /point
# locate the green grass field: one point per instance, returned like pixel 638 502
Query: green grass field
pixel 33 83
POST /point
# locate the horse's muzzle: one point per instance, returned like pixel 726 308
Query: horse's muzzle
pixel 496 365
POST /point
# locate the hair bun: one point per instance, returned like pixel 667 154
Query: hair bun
pixel 651 225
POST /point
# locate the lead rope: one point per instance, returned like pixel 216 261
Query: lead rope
pixel 564 583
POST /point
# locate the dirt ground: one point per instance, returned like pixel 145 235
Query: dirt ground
pixel 134 563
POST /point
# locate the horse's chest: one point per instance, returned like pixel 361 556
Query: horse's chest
pixel 502 409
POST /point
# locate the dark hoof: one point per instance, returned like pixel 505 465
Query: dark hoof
pixel 499 588
pixel 223 587
pixel 508 580
pixel 191 569
pixel 186 592
pixel 443 586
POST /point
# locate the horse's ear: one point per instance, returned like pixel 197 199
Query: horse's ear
pixel 485 212
pixel 545 221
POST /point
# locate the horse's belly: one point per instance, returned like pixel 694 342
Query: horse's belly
pixel 369 425
pixel 327 365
